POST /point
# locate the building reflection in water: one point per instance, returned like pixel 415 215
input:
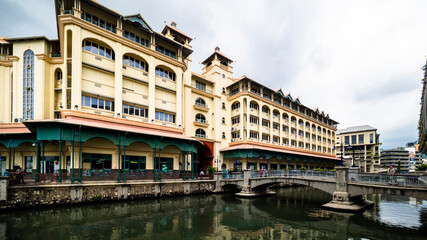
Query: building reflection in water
pixel 294 213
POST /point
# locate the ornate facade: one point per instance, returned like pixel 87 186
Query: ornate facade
pixel 113 96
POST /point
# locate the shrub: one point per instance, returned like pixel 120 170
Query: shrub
pixel 422 167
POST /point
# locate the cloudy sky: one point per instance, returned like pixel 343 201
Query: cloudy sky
pixel 360 61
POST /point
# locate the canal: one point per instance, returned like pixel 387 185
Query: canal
pixel 293 213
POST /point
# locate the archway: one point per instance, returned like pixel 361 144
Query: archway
pixel 204 157
pixel 138 161
pixel 99 160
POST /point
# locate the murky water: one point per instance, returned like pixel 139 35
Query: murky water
pixel 294 213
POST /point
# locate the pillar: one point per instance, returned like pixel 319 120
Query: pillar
pixel 342 199
pixel 118 81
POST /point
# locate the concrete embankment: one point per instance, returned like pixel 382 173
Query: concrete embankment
pixel 64 194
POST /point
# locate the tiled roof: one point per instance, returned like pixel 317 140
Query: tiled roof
pixel 356 129
pixel 178 31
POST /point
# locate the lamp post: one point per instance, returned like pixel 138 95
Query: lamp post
pixel 217 161
pixel 342 156
pixel 351 148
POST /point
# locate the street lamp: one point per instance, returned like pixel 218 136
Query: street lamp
pixel 217 161
pixel 351 148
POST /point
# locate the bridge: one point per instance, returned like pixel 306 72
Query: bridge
pixel 347 186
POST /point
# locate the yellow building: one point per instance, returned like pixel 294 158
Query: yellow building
pixel 364 143
pixel 115 99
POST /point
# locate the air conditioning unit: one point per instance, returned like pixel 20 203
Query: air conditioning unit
pixel 18 120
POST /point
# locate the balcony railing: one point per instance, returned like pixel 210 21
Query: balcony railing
pixel 201 120
pixel 200 135
pixel 201 105
pixel 68 12
pixel 201 88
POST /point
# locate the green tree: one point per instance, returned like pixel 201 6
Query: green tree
pixel 399 167
pixel 422 167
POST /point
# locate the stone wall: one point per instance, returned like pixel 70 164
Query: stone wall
pixel 60 194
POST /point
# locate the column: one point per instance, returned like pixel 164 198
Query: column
pixel 118 81
pixel 151 90
pixel 76 69
pixel 38 91
pixel 241 118
pixel 179 99
pixel 14 87
pixel 247 119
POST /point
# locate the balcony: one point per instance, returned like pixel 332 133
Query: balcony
pixel 201 135
pixel 71 12
pixel 201 107
pixel 201 88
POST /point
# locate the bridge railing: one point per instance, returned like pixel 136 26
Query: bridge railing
pixel 287 173
pixel 232 175
pixel 386 179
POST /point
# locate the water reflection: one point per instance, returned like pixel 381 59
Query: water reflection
pixel 294 213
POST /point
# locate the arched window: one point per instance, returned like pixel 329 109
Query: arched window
pixel 200 118
pixel 200 133
pixel 201 102
pixel 223 135
pixel 28 85
pixel 265 109
pixel 235 105
pixel 161 72
pixel 276 113
pixel 285 116
pixel 223 120
pixel 98 49
pixel 223 90
pixel 253 105
pixel 136 63
pixel 223 105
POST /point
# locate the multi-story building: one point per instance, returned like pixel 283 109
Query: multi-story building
pixel 408 157
pixel 113 96
pixel 364 143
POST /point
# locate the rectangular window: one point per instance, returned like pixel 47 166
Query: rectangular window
pixel 166 164
pixel 101 51
pixel 101 104
pixel 167 117
pixel 361 140
pixel 347 140
pixel 94 48
pixel 265 123
pixel 353 139
pixel 94 102
pixel 253 135
pixel 133 164
pixel 86 101
pixel 265 137
pixel 108 105
pixel 235 120
pixel 371 137
pixel 253 120
pixel 201 86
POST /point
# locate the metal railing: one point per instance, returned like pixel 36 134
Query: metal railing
pixel 201 88
pixel 386 179
pixel 232 175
